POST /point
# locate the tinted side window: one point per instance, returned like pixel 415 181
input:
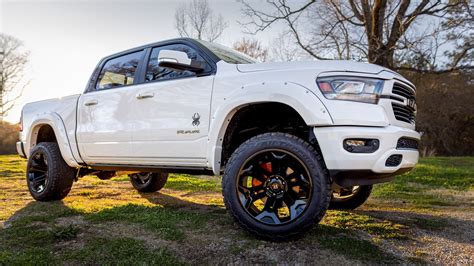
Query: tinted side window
pixel 119 71
pixel 154 72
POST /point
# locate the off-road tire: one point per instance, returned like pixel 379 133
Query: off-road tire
pixel 321 186
pixel 354 201
pixel 156 182
pixel 60 176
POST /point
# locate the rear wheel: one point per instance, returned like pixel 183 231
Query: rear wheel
pixel 47 174
pixel 349 198
pixel 148 182
pixel 275 186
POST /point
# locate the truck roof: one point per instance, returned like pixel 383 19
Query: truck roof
pixel 185 40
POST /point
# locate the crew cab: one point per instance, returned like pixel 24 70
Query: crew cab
pixel 291 139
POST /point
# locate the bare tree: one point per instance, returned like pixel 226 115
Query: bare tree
pixel 284 49
pixel 195 19
pixel 374 30
pixel 252 48
pixel 460 27
pixel 13 60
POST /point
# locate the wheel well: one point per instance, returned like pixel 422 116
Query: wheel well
pixel 262 118
pixel 46 134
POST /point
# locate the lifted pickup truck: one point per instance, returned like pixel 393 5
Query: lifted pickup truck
pixel 291 139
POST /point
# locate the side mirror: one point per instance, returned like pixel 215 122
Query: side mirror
pixel 178 61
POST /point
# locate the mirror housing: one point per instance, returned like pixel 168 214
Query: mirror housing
pixel 178 60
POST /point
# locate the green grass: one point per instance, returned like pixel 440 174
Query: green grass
pixel 376 227
pixel 421 186
pixel 188 183
pixel 64 232
pixel 11 165
pixel 343 241
pixel 193 183
pixel 167 223
pixel 26 245
pixel 121 251
pixel 431 224
pixel 107 222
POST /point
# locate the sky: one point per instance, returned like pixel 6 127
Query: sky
pixel 67 38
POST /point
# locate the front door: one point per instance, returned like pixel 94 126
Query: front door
pixel 170 113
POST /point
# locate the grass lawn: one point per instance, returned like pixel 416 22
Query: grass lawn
pixel 425 216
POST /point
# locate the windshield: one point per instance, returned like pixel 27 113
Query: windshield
pixel 228 55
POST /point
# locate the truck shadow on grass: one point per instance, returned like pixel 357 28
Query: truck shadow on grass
pixel 192 232
pixel 451 228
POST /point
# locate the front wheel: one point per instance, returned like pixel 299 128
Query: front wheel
pixel 275 186
pixel 148 182
pixel 349 198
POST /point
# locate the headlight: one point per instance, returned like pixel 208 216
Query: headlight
pixel 365 90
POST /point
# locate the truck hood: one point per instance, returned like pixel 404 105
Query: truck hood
pixel 326 65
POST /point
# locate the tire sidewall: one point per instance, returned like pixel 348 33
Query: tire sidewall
pixel 319 194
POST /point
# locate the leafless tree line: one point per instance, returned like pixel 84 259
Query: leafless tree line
pixel 13 60
pixel 400 34
pixel 195 19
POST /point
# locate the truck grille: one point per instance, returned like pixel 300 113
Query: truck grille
pixel 404 111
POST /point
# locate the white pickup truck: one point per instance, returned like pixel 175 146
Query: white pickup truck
pixel 291 139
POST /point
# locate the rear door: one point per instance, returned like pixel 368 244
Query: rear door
pixel 104 128
pixel 170 113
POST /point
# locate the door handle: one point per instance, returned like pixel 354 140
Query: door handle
pixel 146 95
pixel 91 103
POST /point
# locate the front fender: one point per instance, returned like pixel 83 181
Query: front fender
pixel 57 124
pixel 301 99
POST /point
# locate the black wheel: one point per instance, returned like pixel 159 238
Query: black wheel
pixel 349 198
pixel 47 174
pixel 275 186
pixel 148 182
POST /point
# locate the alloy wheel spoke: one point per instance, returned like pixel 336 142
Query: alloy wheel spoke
pixel 38 169
pixel 37 172
pixel 288 200
pixel 249 203
pixel 261 172
pixel 278 162
pixel 268 216
pixel 144 178
pixel 282 191
pixel 259 195
pixel 270 204
pixel 38 165
pixel 297 208
pixel 243 189
pixel 255 172
pixel 39 178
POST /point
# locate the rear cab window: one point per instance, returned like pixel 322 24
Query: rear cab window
pixel 119 71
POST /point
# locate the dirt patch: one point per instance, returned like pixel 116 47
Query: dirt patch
pixel 441 236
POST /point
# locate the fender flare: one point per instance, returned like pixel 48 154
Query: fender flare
pixel 55 121
pixel 296 96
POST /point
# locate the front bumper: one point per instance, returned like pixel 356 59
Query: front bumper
pixel 20 149
pixel 331 139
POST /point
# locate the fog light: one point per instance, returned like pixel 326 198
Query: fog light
pixel 361 145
